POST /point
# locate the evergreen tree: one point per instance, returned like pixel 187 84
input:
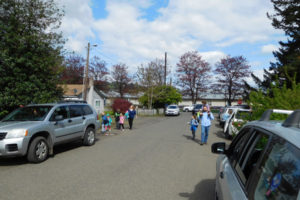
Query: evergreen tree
pixel 30 52
pixel 287 18
pixel 281 98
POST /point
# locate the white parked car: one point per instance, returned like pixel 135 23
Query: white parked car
pixel 188 108
pixel 237 118
pixel 172 110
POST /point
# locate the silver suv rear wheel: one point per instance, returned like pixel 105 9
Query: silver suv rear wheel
pixel 89 137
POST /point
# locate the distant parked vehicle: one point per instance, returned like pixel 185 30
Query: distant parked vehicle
pixel 172 110
pixel 196 108
pixel 238 118
pixel 188 108
pixel 226 112
pixel 35 129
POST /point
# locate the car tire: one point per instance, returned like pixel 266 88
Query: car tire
pixel 89 137
pixel 38 150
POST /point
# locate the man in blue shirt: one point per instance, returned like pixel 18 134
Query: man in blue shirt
pixel 205 118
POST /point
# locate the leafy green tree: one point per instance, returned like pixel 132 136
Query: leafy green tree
pixel 162 95
pixel 30 52
pixel 286 18
pixel 281 98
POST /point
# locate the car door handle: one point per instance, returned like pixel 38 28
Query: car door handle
pixel 222 175
pixel 69 120
pixel 83 117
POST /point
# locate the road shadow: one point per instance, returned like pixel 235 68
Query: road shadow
pixel 217 125
pixel 220 134
pixel 203 190
pixel 11 161
pixel 189 137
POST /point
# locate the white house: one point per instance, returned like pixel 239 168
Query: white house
pixel 96 98
pixel 210 98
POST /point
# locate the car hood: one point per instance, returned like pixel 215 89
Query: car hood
pixel 18 125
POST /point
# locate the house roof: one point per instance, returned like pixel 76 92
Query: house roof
pixel 72 89
pixel 208 96
pixel 75 90
pixel 114 94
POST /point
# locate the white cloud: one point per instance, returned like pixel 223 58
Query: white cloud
pixel 77 24
pixel 180 27
pixel 258 73
pixel 212 57
pixel 268 48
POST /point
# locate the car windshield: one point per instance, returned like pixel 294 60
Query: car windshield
pixel 172 107
pixel 243 115
pixel 28 113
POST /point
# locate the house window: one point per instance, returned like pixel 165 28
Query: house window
pixel 97 103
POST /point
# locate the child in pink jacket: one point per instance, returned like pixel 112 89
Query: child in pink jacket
pixel 121 122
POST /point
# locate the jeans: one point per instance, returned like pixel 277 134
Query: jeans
pixel 204 133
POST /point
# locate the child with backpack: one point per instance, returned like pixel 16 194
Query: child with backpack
pixel 108 124
pixel 194 125
pixel 104 121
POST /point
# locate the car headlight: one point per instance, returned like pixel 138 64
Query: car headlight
pixel 17 133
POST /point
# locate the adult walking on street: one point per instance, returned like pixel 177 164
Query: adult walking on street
pixel 131 115
pixel 205 118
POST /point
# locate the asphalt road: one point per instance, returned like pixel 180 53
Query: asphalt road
pixel 156 160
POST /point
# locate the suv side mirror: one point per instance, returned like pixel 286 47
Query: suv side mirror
pixel 59 118
pixel 218 148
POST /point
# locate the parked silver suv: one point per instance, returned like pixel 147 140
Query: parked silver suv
pixel 35 129
pixel 262 162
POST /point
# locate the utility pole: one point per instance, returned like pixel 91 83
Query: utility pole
pixel 86 76
pixel 165 80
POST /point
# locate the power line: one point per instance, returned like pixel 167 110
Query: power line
pixel 112 60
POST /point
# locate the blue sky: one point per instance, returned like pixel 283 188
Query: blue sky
pixel 135 32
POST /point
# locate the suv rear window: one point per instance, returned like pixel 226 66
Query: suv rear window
pixel 87 110
pixel 76 111
pixel 172 107
pixel 280 174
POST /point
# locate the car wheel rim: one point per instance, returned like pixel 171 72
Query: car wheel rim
pixel 91 137
pixel 41 150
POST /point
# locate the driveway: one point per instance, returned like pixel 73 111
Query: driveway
pixel 155 160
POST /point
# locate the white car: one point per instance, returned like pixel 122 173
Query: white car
pixel 172 110
pixel 188 108
pixel 238 117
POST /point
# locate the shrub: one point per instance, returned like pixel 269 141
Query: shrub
pixel 120 104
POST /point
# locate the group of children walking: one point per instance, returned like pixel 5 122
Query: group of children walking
pixel 203 117
pixel 119 119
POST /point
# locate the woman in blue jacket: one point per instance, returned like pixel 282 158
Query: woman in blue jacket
pixel 131 115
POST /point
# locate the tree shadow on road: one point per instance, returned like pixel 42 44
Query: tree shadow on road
pixel 203 190
pixel 189 137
